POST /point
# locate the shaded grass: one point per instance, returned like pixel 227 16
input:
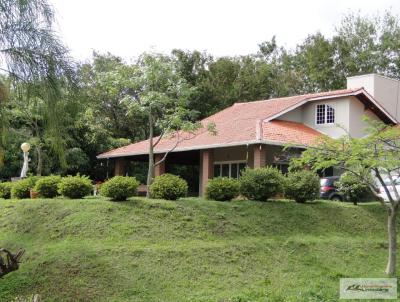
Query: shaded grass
pixel 189 250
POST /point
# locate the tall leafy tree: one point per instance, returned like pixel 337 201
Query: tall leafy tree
pixel 377 154
pixel 314 63
pixel 30 53
pixel 160 93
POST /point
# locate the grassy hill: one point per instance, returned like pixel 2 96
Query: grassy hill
pixel 190 250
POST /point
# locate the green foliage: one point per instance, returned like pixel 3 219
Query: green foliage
pixel 375 154
pixel 119 188
pixel 77 161
pixel 21 188
pixel 34 60
pixel 47 186
pixel 75 187
pixel 302 186
pixel 169 187
pixel 352 188
pixel 261 183
pixel 5 190
pixel 222 188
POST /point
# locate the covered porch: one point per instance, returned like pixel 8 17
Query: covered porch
pixel 198 166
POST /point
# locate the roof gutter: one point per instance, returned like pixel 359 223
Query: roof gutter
pixel 235 144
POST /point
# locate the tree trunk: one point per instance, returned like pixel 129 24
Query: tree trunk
pixel 392 233
pixel 9 262
pixel 39 167
pixel 39 160
pixel 150 172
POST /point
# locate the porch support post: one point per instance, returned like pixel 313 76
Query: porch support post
pixel 119 168
pixel 159 169
pixel 207 169
pixel 259 156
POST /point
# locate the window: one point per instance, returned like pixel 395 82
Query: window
pixel 242 167
pixel 232 169
pixel 283 167
pixel 330 115
pixel 325 114
pixel 217 170
pixel 225 170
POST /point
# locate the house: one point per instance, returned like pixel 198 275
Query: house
pixel 254 134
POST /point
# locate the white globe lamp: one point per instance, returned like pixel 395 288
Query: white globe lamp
pixel 25 147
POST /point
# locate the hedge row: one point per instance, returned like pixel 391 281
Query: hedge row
pixel 118 188
pixel 264 183
pixel 47 187
pixel 255 184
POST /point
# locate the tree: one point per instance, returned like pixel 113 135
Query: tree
pixel 159 92
pixel 103 84
pixel 30 53
pixel 314 61
pixel 377 154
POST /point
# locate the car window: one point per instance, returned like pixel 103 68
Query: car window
pixel 324 182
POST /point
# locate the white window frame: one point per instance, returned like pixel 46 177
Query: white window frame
pixel 325 114
pixel 229 162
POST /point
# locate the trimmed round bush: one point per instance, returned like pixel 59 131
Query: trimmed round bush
pixel 5 190
pixel 21 188
pixel 302 186
pixel 222 189
pixel 75 187
pixel 119 188
pixel 168 186
pixel 47 186
pixel 261 183
pixel 353 189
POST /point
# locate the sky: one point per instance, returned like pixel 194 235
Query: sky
pixel 221 27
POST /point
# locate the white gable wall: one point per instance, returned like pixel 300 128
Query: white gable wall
pixel 341 106
pixel 349 112
pixel 357 112
pixel 295 115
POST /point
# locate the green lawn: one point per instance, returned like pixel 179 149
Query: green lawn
pixel 189 250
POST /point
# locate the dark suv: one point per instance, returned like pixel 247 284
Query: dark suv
pixel 328 188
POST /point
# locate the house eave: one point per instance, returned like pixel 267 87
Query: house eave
pixel 211 146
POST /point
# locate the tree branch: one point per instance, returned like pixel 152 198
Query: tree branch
pixel 178 141
pixel 159 139
pixel 9 262
pixel 378 175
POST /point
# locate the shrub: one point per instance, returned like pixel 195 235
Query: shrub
pixel 119 188
pixel 352 189
pixel 47 186
pixel 168 186
pixel 75 186
pixel 222 188
pixel 21 188
pixel 260 183
pixel 302 186
pixel 5 190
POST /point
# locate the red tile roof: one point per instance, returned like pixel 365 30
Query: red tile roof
pixel 241 124
pixel 289 132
